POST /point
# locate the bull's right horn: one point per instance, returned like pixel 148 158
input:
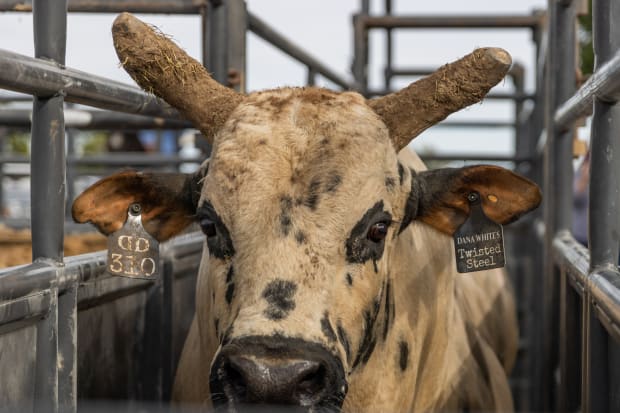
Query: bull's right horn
pixel 161 67
pixel 410 111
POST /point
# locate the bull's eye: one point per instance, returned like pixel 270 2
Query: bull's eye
pixel 208 227
pixel 378 231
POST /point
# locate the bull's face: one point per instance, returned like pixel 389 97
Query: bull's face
pixel 302 199
pixel 303 204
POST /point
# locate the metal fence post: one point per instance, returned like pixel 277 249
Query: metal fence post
pixel 560 85
pixel 604 211
pixel 227 23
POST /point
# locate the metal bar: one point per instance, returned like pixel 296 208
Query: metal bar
pixel 267 33
pixel 237 25
pixel 604 85
pixel 604 289
pixel 218 45
pixel 39 77
pixel 67 350
pixel 604 211
pixel 47 188
pixel 452 22
pixel 597 399
pixel 389 52
pixel 95 119
pixel 119 6
pixel 118 159
pixel 46 376
pixel 560 84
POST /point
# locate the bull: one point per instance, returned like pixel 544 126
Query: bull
pixel 327 279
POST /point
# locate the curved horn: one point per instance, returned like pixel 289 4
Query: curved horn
pixel 454 86
pixel 161 67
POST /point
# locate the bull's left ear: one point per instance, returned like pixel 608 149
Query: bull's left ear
pixel 441 195
pixel 168 201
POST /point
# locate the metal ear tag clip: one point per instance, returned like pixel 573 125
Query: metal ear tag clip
pixel 479 242
pixel 133 252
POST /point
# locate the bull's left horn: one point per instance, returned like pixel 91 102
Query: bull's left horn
pixel 410 111
pixel 161 67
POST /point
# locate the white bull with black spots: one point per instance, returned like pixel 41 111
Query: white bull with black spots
pixel 328 277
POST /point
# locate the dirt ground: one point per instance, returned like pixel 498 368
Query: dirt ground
pixel 16 249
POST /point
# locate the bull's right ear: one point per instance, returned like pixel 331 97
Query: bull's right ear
pixel 168 201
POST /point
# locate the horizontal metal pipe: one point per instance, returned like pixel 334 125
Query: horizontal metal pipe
pixel 454 22
pixel 42 78
pixel 94 119
pixel 114 159
pixel 604 289
pixel 604 84
pixel 267 33
pixel 118 6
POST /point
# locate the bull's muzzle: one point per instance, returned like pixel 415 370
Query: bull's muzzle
pixel 277 371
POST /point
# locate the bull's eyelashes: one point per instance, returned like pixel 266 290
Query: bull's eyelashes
pixel 367 237
pixel 218 238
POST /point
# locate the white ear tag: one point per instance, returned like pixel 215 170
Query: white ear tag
pixel 133 252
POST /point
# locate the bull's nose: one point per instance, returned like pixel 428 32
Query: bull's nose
pixel 268 370
pixel 282 381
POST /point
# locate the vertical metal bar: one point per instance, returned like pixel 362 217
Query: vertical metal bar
pixel 237 24
pixel 47 189
pixel 311 79
pixel 46 376
pixel 227 26
pixel 204 34
pixel 604 211
pixel 67 350
pixel 604 206
pixel 560 85
pixel 597 375
pixel 569 397
pixel 70 173
pixel 218 52
pixel 388 50
pixel 360 57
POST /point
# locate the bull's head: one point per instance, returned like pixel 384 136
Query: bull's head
pixel 303 203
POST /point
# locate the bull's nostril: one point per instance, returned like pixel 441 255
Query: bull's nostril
pixel 235 380
pixel 312 383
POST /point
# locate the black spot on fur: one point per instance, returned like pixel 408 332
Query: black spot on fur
pixel 230 274
pixel 220 245
pixel 344 340
pixel 358 248
pixel 403 358
pixel 374 264
pixel 230 292
pixel 349 278
pixel 300 237
pixel 390 183
pixel 387 309
pixel 333 182
pixel 279 295
pixel 286 204
pixel 401 172
pixel 327 328
pixel 216 324
pixel 368 342
pixel 312 198
pixel 411 205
